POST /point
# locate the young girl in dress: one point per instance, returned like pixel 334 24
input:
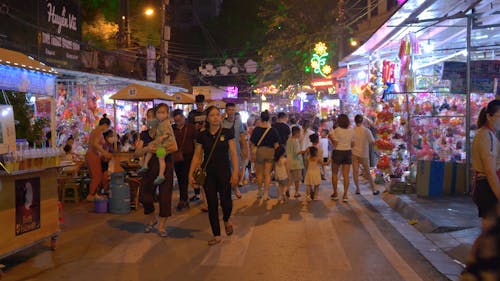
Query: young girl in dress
pixel 281 173
pixel 313 174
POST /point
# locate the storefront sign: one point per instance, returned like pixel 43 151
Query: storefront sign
pixel 23 80
pixel 27 205
pixel 53 34
pixel 323 83
pixel 62 32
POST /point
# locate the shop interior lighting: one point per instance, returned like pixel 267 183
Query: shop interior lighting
pixel 463 52
pixel 361 75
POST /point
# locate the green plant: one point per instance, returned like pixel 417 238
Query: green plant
pixel 23 115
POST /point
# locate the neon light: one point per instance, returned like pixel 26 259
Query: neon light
pixel 24 80
pixel 319 60
pixel 322 83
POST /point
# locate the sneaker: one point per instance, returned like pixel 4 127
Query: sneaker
pixel 376 192
pixel 194 198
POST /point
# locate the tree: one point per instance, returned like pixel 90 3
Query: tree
pixel 293 27
pixel 100 32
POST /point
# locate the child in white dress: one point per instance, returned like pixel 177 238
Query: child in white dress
pixel 313 174
pixel 281 173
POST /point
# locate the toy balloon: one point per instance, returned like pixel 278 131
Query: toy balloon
pixel 161 152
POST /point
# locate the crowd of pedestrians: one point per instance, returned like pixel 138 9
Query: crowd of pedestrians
pixel 231 154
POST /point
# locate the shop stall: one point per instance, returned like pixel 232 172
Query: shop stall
pixel 28 186
pixel 416 79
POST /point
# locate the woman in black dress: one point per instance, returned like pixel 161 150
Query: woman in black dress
pixel 219 178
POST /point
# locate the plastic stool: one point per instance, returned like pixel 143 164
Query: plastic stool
pixel 71 192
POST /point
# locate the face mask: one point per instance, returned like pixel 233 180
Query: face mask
pixel 152 123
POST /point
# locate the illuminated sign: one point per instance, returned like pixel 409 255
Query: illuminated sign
pixel 232 92
pixel 322 83
pixel 319 60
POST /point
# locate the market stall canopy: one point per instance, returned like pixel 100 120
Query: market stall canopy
pixel 440 27
pixel 107 79
pixel 17 59
pixel 183 98
pixel 217 103
pixel 135 92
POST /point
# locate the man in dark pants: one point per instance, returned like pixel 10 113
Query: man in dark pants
pixel 197 118
pixel 185 136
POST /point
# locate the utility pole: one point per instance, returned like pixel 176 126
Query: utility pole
pixel 165 37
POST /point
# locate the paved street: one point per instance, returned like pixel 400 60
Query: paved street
pixel 320 240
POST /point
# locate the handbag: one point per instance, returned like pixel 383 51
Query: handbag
pixel 200 174
pixel 254 148
pixel 178 155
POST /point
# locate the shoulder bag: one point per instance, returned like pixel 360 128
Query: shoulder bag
pixel 254 148
pixel 200 174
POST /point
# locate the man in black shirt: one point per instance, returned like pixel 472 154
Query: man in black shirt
pixel 197 116
pixel 282 127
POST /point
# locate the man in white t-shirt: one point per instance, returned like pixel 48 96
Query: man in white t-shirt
pixel 361 153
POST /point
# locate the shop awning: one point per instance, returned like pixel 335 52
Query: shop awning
pixel 107 79
pixel 136 92
pixel 183 98
pixel 339 73
pixel 440 27
pixel 17 59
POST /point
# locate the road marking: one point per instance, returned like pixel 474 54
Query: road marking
pixel 323 240
pixel 232 250
pixel 385 247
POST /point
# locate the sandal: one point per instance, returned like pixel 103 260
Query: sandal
pixel 214 241
pixel 163 233
pixel 237 193
pixel 149 227
pixel 229 229
pixel 345 199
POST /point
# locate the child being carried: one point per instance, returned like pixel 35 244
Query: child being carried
pixel 164 139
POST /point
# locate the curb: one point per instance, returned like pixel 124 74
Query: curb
pixel 425 246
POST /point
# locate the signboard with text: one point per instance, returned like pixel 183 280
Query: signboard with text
pixel 48 30
pixel 60 33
